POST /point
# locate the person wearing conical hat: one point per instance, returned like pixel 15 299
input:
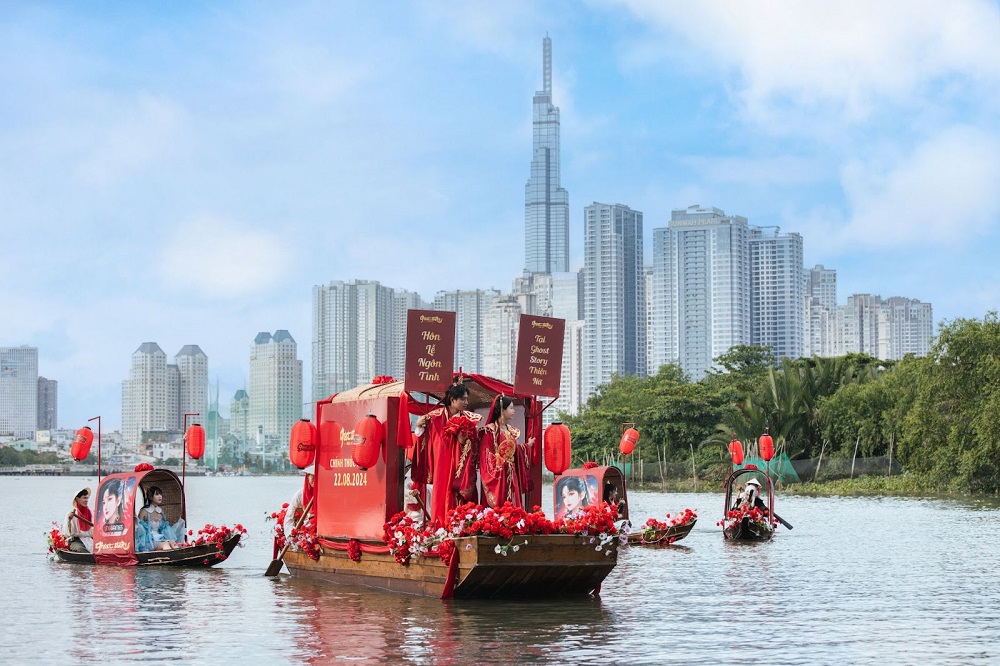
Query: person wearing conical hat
pixel 79 526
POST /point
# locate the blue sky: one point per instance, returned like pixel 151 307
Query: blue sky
pixel 185 173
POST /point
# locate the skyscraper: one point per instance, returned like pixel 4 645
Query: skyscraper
pixel 777 318
pixel 614 333
pixel 275 386
pixel 19 391
pixel 48 404
pixel 546 204
pixel 701 288
pixel 192 391
pixel 470 308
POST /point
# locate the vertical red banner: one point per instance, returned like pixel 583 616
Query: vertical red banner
pixel 430 350
pixel 538 368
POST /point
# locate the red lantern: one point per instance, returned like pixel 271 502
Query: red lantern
pixel 302 445
pixel 558 447
pixel 629 439
pixel 766 445
pixel 368 435
pixel 81 443
pixel 195 441
pixel 736 451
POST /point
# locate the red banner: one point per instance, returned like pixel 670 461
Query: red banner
pixel 538 368
pixel 113 521
pixel 430 350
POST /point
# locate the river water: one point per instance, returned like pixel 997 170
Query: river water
pixel 857 581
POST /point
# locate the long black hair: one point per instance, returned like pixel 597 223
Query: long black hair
pixel 150 491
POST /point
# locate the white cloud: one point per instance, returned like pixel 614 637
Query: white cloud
pixel 220 258
pixel 845 60
pixel 945 191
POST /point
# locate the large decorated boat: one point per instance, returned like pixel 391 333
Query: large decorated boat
pixel 371 527
pixel 118 536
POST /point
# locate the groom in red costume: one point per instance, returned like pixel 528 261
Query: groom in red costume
pixel 446 452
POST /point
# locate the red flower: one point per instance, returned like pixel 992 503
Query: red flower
pixel 589 464
pixel 354 550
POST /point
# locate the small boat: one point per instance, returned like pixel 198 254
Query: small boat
pixel 355 507
pixel 742 523
pixel 119 496
pixel 598 483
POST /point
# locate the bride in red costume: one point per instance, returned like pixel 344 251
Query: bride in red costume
pixel 446 452
pixel 503 463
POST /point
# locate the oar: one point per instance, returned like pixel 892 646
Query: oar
pixel 781 520
pixel 275 567
pixel 89 522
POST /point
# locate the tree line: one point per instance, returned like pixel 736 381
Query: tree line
pixel 937 415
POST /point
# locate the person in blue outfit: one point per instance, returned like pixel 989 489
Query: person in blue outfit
pixel 155 532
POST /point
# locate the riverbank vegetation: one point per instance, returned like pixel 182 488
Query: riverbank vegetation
pixel 934 418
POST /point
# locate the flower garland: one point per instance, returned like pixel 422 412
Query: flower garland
pixel 56 539
pixel 406 538
pixel 218 535
pixel 279 527
pixel 658 531
pixel 383 379
pixel 735 516
pixel 354 550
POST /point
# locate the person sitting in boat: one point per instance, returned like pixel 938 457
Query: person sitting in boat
pixel 574 495
pixel 446 453
pixel 302 497
pixel 154 531
pixel 751 497
pixel 79 526
pixel 611 496
pixel 504 466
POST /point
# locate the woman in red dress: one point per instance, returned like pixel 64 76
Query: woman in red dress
pixel 503 462
pixel 445 455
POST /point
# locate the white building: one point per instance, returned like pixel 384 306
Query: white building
pixel 820 311
pixel 500 332
pixel 151 396
pixel 18 392
pixel 192 390
pixel 701 288
pixel 888 329
pixel 275 390
pixel 614 302
pixel 471 308
pixel 777 306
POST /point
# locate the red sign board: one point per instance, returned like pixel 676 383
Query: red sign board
pixel 538 367
pixel 430 350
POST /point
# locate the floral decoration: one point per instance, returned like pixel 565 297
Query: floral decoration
pixel 302 538
pixel 383 379
pixel 354 550
pixel 660 531
pixel 143 467
pixel 735 516
pixel 406 538
pixel 462 425
pixel 218 535
pixel 57 540
pixel 590 464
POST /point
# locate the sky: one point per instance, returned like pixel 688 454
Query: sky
pixel 186 173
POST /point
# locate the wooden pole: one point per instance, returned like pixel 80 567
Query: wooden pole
pixel 820 462
pixel 855 455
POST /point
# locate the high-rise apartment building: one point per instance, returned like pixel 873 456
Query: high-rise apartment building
pixel 820 311
pixel 192 388
pixel 613 295
pixel 19 391
pixel 355 335
pixel 402 302
pixel 546 203
pixel 48 404
pixel 239 423
pixel 471 308
pixel 910 327
pixel 701 288
pixel 275 387
pixel 500 330
pixel 885 329
pixel 151 396
pixel 777 316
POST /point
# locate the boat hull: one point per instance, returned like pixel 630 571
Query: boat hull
pixel 748 530
pixel 661 538
pixel 543 566
pixel 205 555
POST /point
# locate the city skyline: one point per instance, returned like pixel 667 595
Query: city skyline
pixel 187 175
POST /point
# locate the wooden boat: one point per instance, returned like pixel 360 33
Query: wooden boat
pixel 114 527
pixel 598 483
pixel 737 524
pixel 353 505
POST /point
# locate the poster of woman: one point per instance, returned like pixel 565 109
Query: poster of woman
pixel 573 494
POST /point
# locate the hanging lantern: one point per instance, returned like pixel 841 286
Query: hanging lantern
pixel 302 445
pixel 766 445
pixel 736 451
pixel 558 447
pixel 368 435
pixel 81 443
pixel 195 438
pixel 629 439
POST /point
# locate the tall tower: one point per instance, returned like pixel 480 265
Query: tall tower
pixel 275 386
pixel 614 332
pixel 19 391
pixel 546 204
pixel 146 395
pixel 192 391
pixel 777 301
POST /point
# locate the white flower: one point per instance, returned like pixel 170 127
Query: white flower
pixel 504 553
pixel 516 548
pixel 599 547
pixel 468 546
pixel 498 549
